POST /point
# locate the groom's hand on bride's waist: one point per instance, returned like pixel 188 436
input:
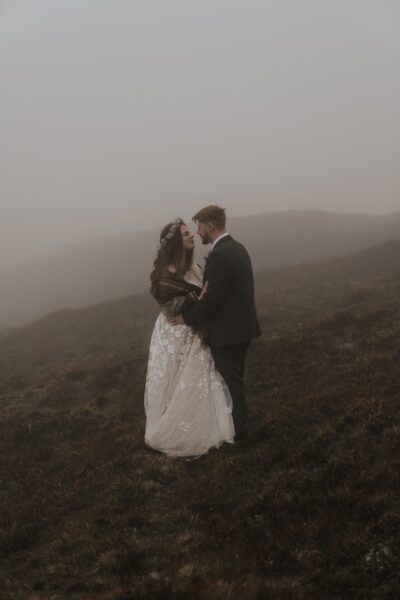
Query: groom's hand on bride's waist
pixel 176 320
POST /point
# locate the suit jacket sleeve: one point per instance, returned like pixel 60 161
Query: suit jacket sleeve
pixel 219 276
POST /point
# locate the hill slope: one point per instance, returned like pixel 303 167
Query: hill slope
pixel 107 268
pixel 306 508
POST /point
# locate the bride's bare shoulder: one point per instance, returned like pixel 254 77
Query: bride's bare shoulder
pixel 172 269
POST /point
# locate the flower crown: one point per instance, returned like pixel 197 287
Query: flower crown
pixel 175 225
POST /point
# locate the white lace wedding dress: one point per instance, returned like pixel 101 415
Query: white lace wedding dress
pixel 188 405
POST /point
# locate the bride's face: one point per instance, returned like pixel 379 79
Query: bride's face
pixel 187 239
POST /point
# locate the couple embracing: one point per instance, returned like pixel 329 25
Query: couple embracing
pixel 195 397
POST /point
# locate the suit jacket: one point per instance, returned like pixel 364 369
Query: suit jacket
pixel 228 309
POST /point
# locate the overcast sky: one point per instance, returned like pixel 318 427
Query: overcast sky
pixel 118 115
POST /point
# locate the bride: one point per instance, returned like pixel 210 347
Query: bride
pixel 187 403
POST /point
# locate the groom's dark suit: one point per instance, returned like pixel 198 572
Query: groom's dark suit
pixel 229 315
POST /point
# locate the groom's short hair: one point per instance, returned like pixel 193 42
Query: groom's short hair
pixel 212 214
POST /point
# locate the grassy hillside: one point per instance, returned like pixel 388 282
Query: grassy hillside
pixel 307 507
pixel 109 268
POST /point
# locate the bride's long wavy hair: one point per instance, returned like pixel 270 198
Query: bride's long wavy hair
pixel 170 252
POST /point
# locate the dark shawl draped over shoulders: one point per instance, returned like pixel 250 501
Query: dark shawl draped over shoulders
pixel 175 294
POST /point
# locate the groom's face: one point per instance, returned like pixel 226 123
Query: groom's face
pixel 203 230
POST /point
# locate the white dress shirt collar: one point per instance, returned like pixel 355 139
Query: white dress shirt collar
pixel 217 240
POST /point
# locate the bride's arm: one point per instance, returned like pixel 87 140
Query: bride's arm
pixel 204 291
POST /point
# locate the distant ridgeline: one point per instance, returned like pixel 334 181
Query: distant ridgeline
pixel 108 268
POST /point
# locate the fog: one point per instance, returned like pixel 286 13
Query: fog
pixel 119 115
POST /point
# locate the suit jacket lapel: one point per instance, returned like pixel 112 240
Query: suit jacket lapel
pixel 221 241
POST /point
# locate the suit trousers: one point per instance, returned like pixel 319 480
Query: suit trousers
pixel 229 361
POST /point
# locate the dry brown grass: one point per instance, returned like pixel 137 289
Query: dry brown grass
pixel 307 507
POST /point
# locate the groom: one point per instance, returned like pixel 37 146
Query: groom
pixel 227 310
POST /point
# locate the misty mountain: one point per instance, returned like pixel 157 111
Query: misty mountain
pixel 107 268
pixel 285 297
